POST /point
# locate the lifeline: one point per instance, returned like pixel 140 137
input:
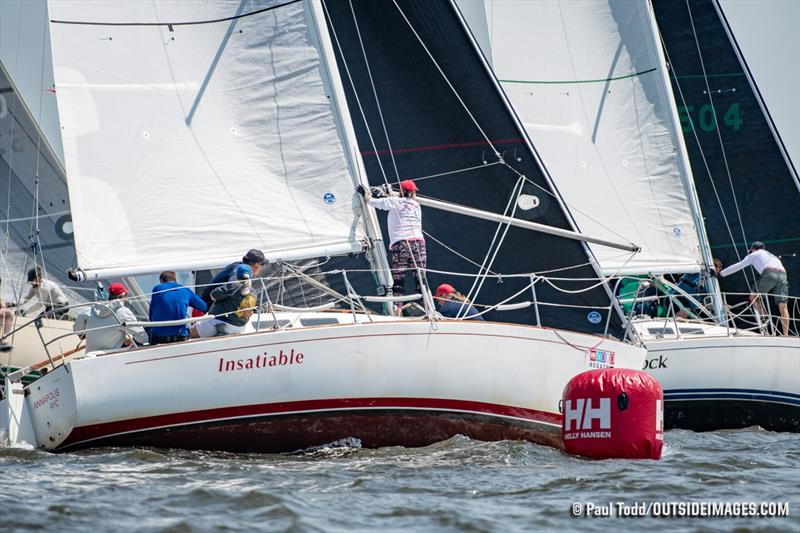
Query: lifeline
pixel 260 361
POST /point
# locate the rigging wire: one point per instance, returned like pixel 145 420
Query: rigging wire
pixel 703 156
pixel 447 80
pixel 375 94
pixel 356 96
pixel 714 110
pixel 512 201
pixel 452 250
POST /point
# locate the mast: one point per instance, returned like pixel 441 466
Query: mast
pixel 687 176
pixel 377 249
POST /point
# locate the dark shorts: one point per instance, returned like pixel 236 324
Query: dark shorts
pixel 158 339
pixel 58 313
pixel 771 281
pixel 407 255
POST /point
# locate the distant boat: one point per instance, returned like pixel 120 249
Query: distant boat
pixel 193 132
pixel 624 172
pixel 36 223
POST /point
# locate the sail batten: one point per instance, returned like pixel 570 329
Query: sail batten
pixel 188 144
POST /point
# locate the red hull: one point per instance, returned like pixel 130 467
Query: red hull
pixel 275 433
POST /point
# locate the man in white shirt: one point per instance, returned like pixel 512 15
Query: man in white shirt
pixel 47 292
pixel 103 325
pixel 771 278
pixel 407 242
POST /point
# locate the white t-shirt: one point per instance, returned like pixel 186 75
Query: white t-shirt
pixel 405 218
pixel 48 293
pixel 760 260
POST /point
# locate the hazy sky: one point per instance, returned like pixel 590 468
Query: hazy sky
pixel 768 31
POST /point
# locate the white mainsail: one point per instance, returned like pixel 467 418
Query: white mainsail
pixel 186 144
pixel 584 79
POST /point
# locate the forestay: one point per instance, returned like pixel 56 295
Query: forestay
pixel 194 131
pixel 746 182
pixel 585 80
pixel 426 107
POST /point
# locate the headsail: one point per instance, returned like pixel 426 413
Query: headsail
pixel 747 185
pixel 426 107
pixel 35 225
pixel 194 131
pixel 584 79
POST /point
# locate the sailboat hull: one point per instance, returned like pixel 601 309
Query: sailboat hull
pixel 728 382
pixel 408 383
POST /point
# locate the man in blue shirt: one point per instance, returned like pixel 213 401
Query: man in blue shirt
pixel 171 301
pixel 453 304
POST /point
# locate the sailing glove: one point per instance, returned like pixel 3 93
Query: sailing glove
pixel 361 190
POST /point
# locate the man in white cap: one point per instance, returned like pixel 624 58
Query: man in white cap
pixel 771 279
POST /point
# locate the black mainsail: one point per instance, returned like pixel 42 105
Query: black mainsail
pixel 425 107
pixel 746 183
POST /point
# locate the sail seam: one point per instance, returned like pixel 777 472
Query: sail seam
pixel 170 24
pixel 599 80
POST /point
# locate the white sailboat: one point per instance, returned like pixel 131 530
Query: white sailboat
pixel 195 131
pixel 589 81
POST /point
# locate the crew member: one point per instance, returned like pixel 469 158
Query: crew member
pixel 406 241
pixel 47 292
pixel 233 304
pixel 771 279
pixel 104 325
pixel 171 301
pixel 253 258
pixel 453 304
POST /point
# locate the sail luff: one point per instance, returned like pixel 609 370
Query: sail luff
pixel 377 248
pixel 592 102
pixel 537 157
pixel 687 177
pixel 192 143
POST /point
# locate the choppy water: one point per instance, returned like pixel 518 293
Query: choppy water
pixel 458 485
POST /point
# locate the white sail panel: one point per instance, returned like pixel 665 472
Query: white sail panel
pixel 191 143
pixel 584 79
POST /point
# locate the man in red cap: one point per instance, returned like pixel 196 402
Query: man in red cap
pixel 407 242
pixel 102 325
pixel 453 304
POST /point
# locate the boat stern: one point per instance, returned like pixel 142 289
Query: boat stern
pixel 43 413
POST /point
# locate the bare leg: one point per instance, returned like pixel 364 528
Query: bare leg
pixel 7 316
pixel 784 310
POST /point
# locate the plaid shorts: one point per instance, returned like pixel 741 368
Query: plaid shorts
pixel 407 255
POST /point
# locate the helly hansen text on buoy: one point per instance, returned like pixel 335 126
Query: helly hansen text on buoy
pixel 613 413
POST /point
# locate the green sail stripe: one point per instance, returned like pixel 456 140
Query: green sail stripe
pixel 746 244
